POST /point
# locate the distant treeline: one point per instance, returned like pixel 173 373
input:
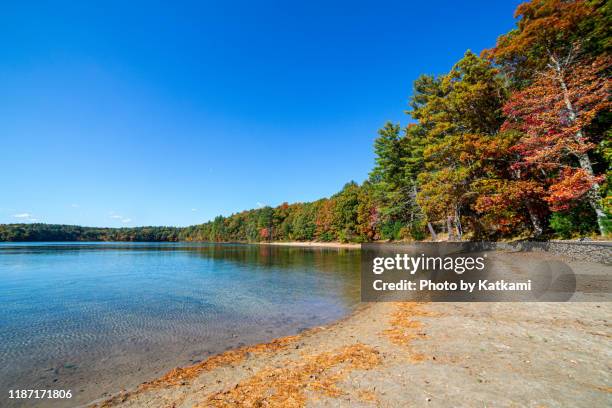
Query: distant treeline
pixel 514 142
pixel 56 232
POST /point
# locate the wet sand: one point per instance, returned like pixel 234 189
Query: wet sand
pixel 411 354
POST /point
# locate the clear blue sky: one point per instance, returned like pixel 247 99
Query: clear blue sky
pixel 128 114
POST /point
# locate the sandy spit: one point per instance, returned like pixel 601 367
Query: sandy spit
pixel 312 244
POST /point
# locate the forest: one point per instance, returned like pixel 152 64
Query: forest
pixel 56 232
pixel 512 143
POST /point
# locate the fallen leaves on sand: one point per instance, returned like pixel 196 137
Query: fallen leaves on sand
pixel 179 375
pixel 367 396
pixel 116 399
pixel 403 328
pixel 287 386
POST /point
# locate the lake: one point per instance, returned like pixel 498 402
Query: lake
pixel 98 317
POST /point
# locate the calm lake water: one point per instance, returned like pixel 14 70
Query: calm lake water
pixel 97 317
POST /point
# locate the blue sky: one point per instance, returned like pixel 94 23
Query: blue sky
pixel 151 113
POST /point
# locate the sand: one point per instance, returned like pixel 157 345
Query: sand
pixel 312 244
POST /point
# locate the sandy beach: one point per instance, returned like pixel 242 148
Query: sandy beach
pixel 410 354
pixel 311 244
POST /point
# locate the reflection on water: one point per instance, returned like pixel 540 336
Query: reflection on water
pixel 95 317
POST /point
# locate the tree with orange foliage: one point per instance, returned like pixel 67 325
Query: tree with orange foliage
pixel 551 29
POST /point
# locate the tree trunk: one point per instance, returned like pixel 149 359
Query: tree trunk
pixel 458 225
pixel 593 196
pixel 449 227
pixel 434 236
pixel 538 229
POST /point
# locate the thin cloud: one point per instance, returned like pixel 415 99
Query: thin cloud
pixel 25 217
pixel 119 217
pixel 194 209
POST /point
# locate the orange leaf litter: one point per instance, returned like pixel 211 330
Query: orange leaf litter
pixel 287 386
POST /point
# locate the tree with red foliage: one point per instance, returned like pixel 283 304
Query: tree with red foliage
pixel 553 113
pixel 557 60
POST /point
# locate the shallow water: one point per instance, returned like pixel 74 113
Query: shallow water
pixel 98 317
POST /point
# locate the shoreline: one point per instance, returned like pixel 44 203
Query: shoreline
pixel 312 244
pixel 421 354
pixel 177 375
